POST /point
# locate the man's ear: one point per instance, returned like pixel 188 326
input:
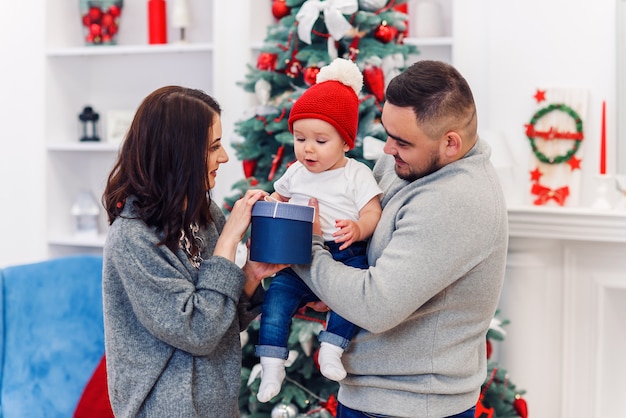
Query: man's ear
pixel 452 145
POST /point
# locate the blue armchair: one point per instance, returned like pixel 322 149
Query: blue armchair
pixel 52 335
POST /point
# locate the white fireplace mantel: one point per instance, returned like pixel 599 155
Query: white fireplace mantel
pixel 578 224
pixel 565 295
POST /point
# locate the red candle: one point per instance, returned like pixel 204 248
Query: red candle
pixel 603 141
pixel 157 26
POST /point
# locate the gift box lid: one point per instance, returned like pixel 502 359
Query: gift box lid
pixel 283 210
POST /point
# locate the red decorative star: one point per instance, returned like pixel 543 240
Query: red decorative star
pixel 540 95
pixel 574 163
pixel 535 175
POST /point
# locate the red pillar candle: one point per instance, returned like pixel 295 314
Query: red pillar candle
pixel 603 141
pixel 157 22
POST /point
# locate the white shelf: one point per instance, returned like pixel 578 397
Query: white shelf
pixel 84 147
pixel 443 41
pixel 85 51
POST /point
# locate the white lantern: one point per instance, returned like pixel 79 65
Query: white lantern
pixel 86 211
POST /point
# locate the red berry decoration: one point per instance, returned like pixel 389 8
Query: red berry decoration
pixel 385 33
pixel 280 9
pixel 310 75
pixel 266 61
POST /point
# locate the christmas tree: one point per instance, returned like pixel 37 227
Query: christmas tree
pixel 499 398
pixel 308 35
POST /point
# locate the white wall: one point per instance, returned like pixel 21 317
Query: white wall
pixel 505 48
pixel 22 154
pixel 509 48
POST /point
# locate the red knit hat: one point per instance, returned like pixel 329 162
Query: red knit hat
pixel 333 98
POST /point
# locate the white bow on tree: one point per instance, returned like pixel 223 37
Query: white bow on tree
pixel 333 10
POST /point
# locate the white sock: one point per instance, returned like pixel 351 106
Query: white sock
pixel 330 361
pixel 271 378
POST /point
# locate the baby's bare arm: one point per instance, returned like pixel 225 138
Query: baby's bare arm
pixel 369 216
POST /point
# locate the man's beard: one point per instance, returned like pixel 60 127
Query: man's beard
pixel 411 175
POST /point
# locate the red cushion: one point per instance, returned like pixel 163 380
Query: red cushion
pixel 94 402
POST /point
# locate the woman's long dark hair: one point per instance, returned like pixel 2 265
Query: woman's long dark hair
pixel 163 163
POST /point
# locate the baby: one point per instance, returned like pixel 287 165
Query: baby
pixel 324 123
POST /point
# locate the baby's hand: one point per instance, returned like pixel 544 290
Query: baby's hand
pixel 347 233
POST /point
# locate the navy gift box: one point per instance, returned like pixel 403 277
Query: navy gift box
pixel 281 233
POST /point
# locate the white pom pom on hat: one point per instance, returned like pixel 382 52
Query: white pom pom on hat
pixel 333 98
pixel 344 71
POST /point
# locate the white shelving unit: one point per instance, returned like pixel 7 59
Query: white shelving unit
pixel 108 78
pixel 434 48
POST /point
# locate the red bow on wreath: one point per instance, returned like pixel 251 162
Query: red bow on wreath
pixel 544 194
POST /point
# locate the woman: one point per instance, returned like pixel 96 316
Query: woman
pixel 174 300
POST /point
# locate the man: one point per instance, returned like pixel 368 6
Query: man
pixel 437 258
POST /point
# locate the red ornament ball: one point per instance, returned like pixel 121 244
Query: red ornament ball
pixel 280 9
pixel 107 19
pixel 385 33
pixel 112 29
pixel 293 68
pixel 95 29
pixel 266 61
pixel 115 10
pixel 95 13
pixel 489 349
pixel 310 75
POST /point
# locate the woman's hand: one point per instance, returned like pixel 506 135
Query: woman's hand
pixel 237 224
pixel 241 214
pixel 317 226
